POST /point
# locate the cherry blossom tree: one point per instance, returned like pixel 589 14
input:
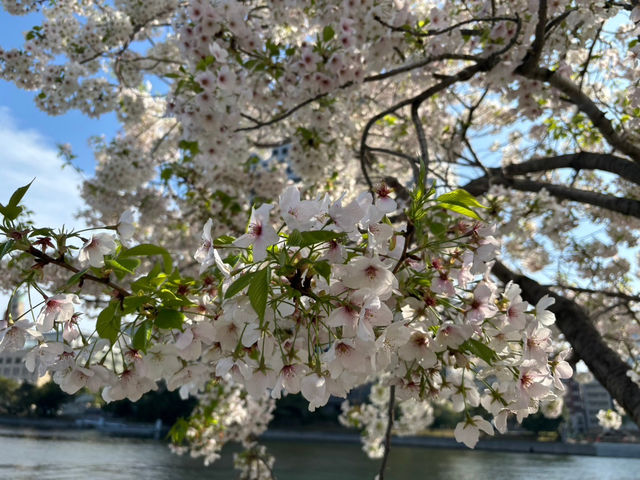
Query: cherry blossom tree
pixel 437 197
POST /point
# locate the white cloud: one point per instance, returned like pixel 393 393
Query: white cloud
pixel 25 154
pixel 54 196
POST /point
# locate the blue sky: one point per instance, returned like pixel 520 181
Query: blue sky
pixel 26 130
pixel 28 145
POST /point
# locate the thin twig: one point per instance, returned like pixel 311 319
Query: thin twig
pixel 422 139
pixel 46 259
pixel 387 435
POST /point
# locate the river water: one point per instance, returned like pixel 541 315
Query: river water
pixel 26 454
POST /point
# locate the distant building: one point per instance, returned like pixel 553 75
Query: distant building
pixel 584 401
pixel 12 366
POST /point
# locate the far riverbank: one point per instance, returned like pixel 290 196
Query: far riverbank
pixel 64 428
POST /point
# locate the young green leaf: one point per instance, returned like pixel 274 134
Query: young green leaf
pixel 148 249
pixel 6 248
pixel 479 349
pixel 133 302
pixel 460 197
pixel 142 336
pixel 12 210
pixel 327 33
pixel 18 194
pixel 323 268
pixel 238 285
pixel 223 240
pixel 306 239
pixel 259 290
pixel 76 277
pixel 168 318
pixel 117 266
pixel 108 323
pixel 461 210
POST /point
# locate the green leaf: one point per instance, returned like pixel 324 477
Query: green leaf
pixel 117 266
pixel 223 240
pixel 461 210
pixel 12 210
pixel 76 277
pixel 305 239
pixel 170 299
pixel 6 247
pixel 272 48
pixel 18 194
pixel 108 323
pixel 239 284
pixel 189 146
pixel 295 238
pixel 460 197
pixel 178 431
pixel 130 263
pixel 10 213
pixel 323 268
pixel 204 63
pixel 148 249
pixel 327 33
pixel 259 291
pixel 479 349
pixel 45 232
pixel 168 318
pixel 133 302
pixel 142 336
pixel 438 229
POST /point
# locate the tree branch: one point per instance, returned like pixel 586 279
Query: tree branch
pixel 483 65
pixel 625 206
pixel 462 75
pixel 387 435
pixel 413 162
pixel 450 28
pixel 45 259
pixel 606 293
pixel 372 78
pixel 586 105
pixel 422 139
pixel 606 162
pixel 532 57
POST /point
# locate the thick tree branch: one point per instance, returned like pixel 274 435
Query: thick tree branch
pixel 532 58
pixel 625 206
pixel 587 106
pixel 592 291
pixel 558 20
pixel 530 68
pixel 605 162
pixel 573 321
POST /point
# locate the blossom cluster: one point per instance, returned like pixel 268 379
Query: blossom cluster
pixel 331 299
pixel 372 418
pixel 225 413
